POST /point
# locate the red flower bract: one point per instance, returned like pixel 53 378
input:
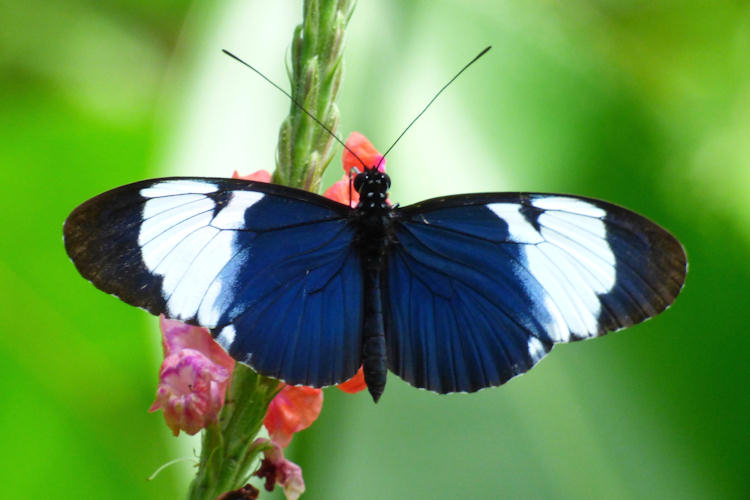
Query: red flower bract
pixel 364 150
pixel 293 409
pixel 259 176
pixel 354 384
pixel 342 190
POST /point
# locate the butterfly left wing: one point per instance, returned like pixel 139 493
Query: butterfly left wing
pixel 271 270
pixel 478 288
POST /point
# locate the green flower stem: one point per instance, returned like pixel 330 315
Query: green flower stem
pixel 304 151
pixel 305 148
pixel 227 450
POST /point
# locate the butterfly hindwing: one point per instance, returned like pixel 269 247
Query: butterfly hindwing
pixel 480 287
pixel 267 268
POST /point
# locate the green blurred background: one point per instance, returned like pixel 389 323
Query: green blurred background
pixel 646 104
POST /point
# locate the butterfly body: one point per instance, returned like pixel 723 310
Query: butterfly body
pixel 452 294
pixel 374 234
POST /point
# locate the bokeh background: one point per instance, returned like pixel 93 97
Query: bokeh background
pixel 646 104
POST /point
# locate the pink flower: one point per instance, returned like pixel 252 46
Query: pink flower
pixel 276 469
pixel 193 377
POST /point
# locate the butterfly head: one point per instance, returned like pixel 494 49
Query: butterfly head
pixel 372 186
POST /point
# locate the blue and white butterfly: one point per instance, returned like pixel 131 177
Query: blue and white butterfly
pixel 451 294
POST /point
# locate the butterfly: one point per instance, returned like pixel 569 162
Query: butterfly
pixel 452 294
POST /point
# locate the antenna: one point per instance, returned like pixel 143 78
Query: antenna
pixel 300 105
pixel 483 52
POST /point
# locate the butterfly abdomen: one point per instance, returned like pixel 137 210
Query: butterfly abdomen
pixel 373 339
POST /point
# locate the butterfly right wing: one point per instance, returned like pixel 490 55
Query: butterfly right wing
pixel 270 270
pixel 479 287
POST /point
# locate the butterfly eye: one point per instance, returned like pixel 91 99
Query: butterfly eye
pixel 387 181
pixel 358 181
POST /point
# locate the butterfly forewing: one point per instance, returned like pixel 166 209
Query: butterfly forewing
pixel 275 264
pixel 480 287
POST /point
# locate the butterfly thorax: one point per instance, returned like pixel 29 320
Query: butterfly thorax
pixel 372 216
pixel 374 228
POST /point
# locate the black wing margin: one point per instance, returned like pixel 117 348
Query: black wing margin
pixel 480 287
